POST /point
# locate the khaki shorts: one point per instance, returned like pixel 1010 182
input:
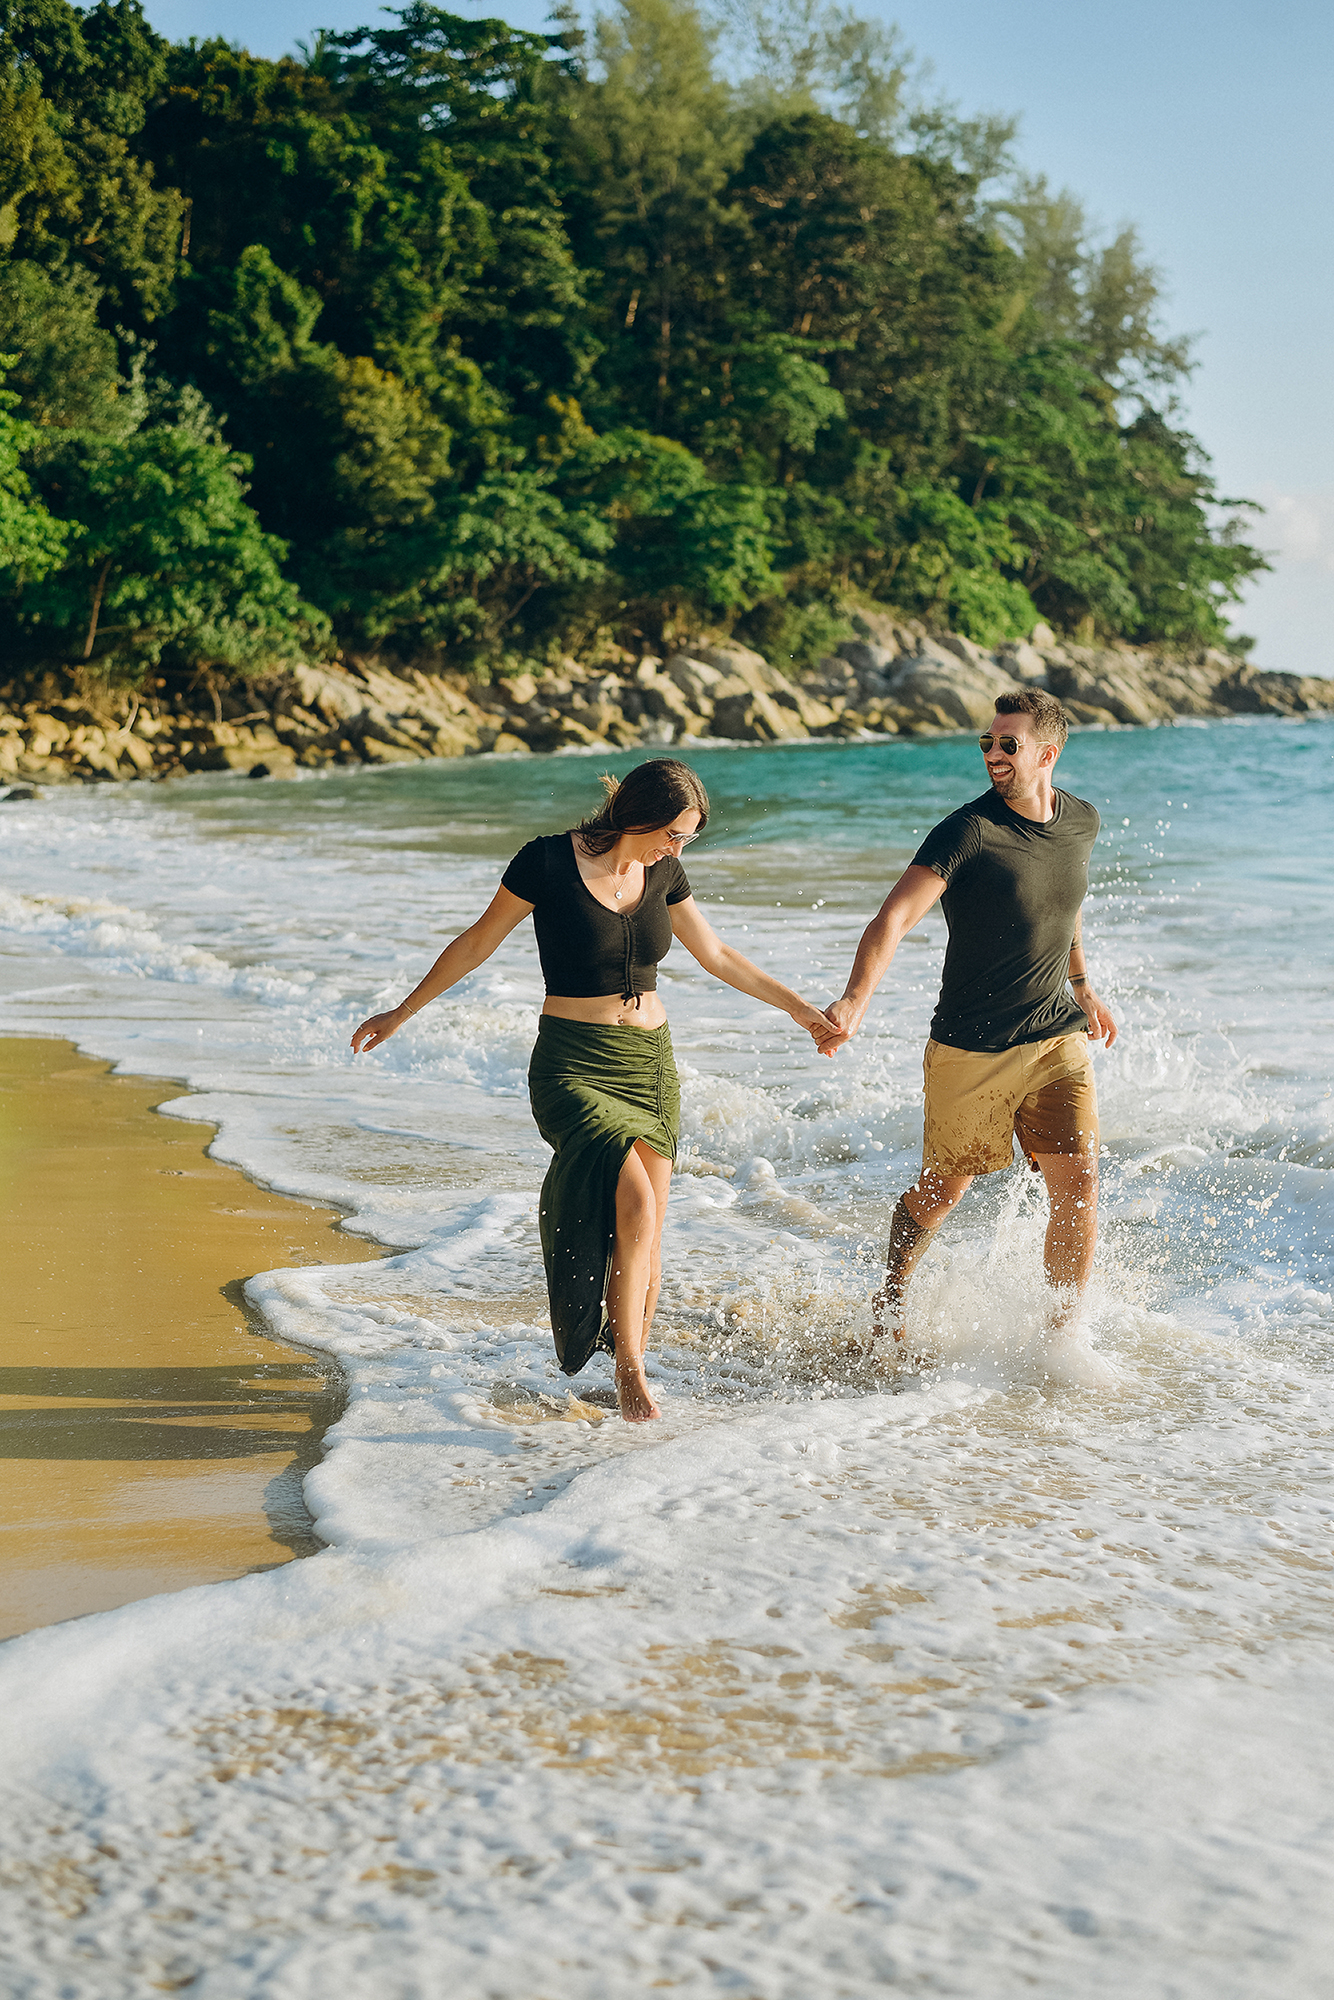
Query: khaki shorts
pixel 978 1103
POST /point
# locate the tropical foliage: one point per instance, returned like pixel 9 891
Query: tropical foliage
pixel 446 336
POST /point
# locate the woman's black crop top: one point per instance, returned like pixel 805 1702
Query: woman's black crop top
pixel 586 949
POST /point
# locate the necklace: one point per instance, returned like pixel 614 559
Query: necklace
pixel 617 893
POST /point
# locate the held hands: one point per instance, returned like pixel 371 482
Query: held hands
pixel 846 1017
pixel 374 1033
pixel 826 1034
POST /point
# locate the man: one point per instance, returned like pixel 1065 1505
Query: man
pixel 1008 1055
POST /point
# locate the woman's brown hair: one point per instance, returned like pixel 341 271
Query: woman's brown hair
pixel 645 799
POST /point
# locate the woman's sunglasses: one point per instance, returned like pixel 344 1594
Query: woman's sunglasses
pixel 1009 744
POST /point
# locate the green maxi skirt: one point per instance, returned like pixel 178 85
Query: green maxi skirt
pixel 594 1092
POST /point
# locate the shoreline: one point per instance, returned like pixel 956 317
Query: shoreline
pixel 771 1684
pixel 153 1435
pixel 893 679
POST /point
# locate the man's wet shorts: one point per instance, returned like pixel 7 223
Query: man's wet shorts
pixel 978 1103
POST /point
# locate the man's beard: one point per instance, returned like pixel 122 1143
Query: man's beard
pixel 1004 786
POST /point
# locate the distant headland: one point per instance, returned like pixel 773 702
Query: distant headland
pixel 891 678
pixel 445 387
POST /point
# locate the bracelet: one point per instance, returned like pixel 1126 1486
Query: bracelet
pixel 1079 979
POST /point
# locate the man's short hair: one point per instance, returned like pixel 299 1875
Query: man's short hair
pixel 1051 724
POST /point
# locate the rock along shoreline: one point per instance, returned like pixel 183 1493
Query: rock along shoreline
pixel 891 679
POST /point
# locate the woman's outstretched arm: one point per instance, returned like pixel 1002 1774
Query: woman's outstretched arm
pixel 700 939
pixel 468 950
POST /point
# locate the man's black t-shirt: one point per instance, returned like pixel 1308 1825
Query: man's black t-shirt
pixel 1013 891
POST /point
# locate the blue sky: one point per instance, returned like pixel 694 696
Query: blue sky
pixel 1206 126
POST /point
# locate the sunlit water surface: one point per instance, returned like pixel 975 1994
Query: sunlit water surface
pixel 798 1586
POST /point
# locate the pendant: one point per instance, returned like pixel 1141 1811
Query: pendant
pixel 617 895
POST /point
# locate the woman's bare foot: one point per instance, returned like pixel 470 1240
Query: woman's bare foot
pixel 634 1398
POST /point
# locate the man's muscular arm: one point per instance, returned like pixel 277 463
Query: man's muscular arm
pixel 903 908
pixel 1099 1016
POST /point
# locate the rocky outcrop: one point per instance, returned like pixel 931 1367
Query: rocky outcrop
pixel 891 678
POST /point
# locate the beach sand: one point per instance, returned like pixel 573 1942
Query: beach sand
pixel 151 1436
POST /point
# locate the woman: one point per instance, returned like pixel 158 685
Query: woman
pixel 606 898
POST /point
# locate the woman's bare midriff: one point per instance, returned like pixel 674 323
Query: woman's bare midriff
pixel 608 1010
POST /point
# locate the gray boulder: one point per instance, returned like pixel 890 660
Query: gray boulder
pixel 745 668
pixel 881 628
pixel 695 678
pixel 746 697
pixel 871 663
pixel 664 702
pixel 756 718
pixel 1023 663
pixel 940 689
pixel 1098 686
pixel 1247 691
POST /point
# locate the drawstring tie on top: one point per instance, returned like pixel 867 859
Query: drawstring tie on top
pixel 629 981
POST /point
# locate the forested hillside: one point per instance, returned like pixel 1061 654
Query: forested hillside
pixel 445 340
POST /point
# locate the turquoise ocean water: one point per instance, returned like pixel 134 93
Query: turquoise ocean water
pixel 990 1683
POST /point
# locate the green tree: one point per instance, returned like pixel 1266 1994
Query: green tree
pixel 1111 524
pixel 517 336
pixel 680 541
pixel 31 542
pixel 66 364
pixel 873 256
pixel 399 175
pixel 808 55
pixel 82 194
pixel 1184 564
pixel 492 550
pixel 163 555
pixel 774 403
pixel 948 561
pixel 351 462
pixel 37 178
pixel 1104 298
pixel 649 143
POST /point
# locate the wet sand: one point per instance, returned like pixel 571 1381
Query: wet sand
pixel 151 1436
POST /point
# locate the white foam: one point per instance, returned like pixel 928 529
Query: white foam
pixel 1002 1677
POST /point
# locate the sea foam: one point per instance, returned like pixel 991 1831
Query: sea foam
pixel 1006 1675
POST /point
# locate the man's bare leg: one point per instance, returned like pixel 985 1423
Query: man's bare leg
pixel 636 1273
pixel 1072 1232
pixel 917 1215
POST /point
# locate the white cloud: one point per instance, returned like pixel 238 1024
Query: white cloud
pixel 1297 529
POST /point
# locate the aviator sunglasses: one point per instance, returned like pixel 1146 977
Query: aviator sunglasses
pixel 1009 744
